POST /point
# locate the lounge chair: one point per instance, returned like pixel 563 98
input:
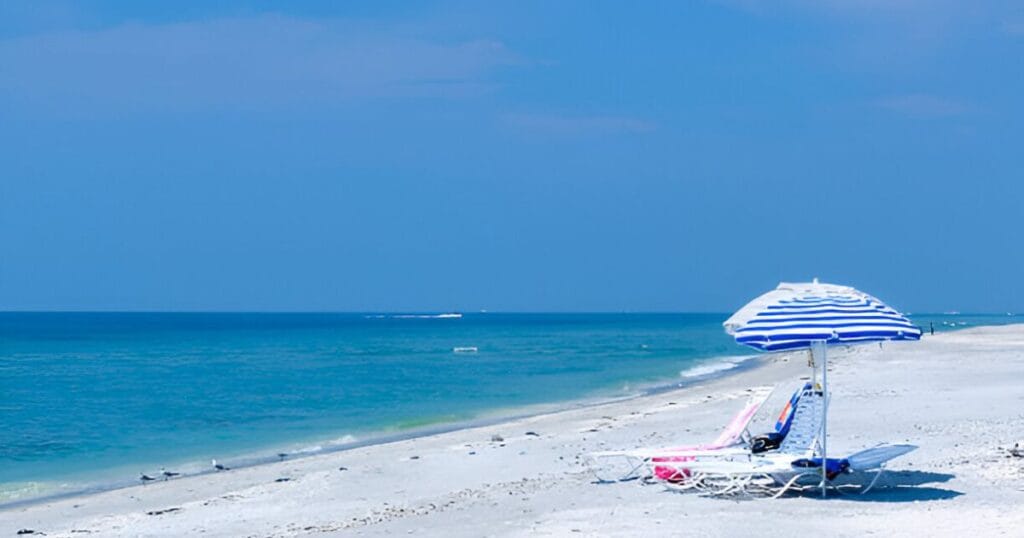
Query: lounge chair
pixel 771 441
pixel 853 469
pixel 618 466
pixel 775 475
pixel 793 466
pixel 720 472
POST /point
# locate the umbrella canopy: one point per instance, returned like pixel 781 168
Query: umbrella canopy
pixel 797 315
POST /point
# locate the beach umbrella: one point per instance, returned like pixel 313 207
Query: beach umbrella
pixel 813 316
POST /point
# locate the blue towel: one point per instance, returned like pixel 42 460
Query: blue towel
pixel 833 466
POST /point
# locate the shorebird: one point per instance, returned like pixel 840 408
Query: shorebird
pixel 218 466
pixel 282 455
pixel 168 474
pixel 145 478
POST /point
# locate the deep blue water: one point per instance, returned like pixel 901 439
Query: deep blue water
pixel 88 397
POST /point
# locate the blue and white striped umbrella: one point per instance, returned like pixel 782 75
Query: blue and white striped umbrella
pixel 813 316
pixel 794 316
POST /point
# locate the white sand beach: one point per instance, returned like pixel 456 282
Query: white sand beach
pixel 959 396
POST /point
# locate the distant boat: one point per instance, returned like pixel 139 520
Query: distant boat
pixel 952 313
pixel 465 349
pixel 448 315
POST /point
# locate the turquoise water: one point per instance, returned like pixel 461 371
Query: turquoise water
pixel 88 396
pixel 93 398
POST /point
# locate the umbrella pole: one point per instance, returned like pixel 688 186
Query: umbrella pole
pixel 813 365
pixel 824 420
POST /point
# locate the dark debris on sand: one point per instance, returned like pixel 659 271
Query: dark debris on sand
pixel 164 511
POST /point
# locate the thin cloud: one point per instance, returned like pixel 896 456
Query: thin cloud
pixel 889 35
pixel 564 125
pixel 867 8
pixel 267 60
pixel 925 106
pixel 1014 27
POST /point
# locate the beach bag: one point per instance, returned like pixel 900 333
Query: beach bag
pixel 766 442
pixel 672 473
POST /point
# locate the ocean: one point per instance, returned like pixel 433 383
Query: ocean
pixel 90 400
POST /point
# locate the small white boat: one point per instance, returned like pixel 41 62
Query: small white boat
pixel 465 349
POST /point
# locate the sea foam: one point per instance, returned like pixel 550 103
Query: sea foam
pixel 715 366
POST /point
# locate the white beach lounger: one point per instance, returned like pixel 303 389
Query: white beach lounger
pixel 792 467
pixel 617 466
pixel 874 460
pixel 850 471
pixel 726 472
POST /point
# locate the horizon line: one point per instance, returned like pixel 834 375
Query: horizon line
pixel 437 312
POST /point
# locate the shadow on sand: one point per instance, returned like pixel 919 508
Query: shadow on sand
pixel 905 486
pixel 892 486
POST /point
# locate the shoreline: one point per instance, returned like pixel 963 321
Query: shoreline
pixel 494 417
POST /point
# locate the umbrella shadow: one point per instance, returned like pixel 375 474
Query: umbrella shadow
pixel 892 487
pixel 906 494
pixel 907 486
pixel 915 478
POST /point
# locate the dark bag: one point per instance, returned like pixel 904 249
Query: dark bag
pixel 766 442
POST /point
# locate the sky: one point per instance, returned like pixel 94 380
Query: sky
pixel 509 156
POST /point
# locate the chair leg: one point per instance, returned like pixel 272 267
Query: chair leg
pixel 738 484
pixel 633 472
pixel 878 475
pixel 597 469
pixel 789 484
pixel 718 485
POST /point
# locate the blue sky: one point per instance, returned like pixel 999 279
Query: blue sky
pixel 526 156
